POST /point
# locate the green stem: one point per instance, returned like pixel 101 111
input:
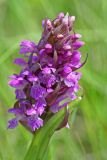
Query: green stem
pixel 42 137
pixel 48 154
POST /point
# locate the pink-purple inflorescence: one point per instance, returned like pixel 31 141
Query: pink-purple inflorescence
pixel 48 80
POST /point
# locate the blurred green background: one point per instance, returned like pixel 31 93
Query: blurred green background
pixel 87 137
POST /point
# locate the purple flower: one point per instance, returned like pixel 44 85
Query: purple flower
pixel 31 111
pixel 16 111
pixel 34 122
pixel 20 62
pixel 12 123
pixel 40 105
pixel 37 91
pixel 18 82
pixel 78 44
pixel 20 94
pixel 27 47
pixel 72 79
pixel 48 80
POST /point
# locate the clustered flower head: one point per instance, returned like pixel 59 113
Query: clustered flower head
pixel 48 80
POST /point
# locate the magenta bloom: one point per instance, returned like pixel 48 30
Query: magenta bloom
pixel 48 79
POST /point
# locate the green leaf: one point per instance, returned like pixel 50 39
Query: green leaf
pixel 42 137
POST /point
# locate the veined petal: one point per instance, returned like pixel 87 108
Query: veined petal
pixel 37 91
pixel 34 122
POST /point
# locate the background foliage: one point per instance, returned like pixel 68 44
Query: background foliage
pixel 87 138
